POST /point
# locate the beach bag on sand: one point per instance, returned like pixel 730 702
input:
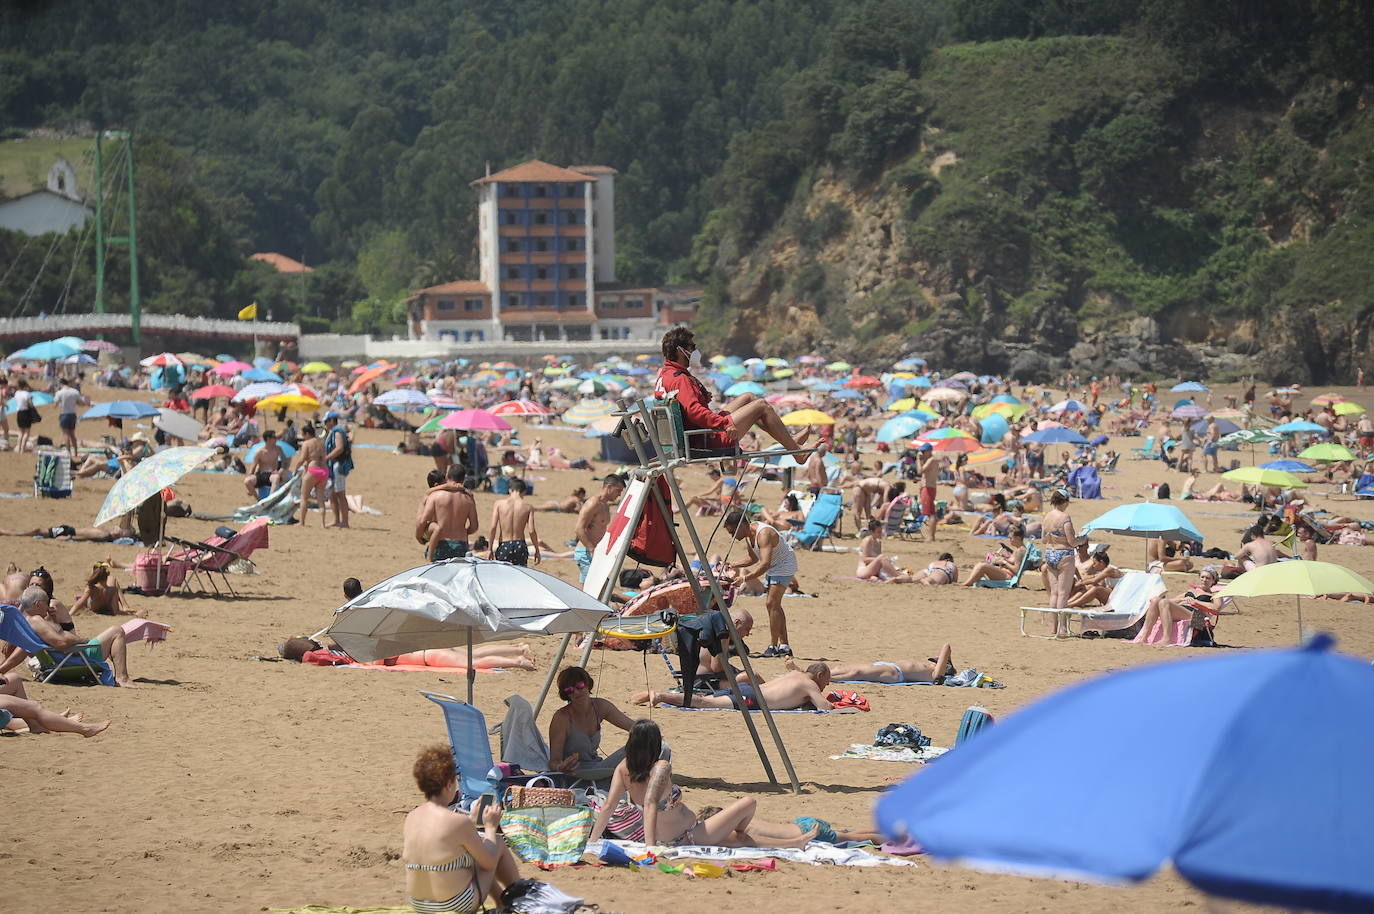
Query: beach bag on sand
pixel 974 720
pixel 899 735
pixel 548 835
pixel 626 821
pixel 538 791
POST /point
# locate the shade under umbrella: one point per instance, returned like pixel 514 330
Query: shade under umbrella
pixel 148 477
pixel 1235 817
pixel 461 601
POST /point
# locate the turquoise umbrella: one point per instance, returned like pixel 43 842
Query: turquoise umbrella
pixel 745 387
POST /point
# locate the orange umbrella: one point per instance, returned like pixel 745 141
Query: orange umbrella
pixel 367 377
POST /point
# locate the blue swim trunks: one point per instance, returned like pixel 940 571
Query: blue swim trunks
pixel 583 557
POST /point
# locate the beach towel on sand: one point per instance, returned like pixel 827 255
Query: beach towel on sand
pixel 817 852
pixel 891 753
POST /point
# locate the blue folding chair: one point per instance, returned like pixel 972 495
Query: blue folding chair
pixel 1031 559
pixel 820 520
pixel 77 664
pixel 467 734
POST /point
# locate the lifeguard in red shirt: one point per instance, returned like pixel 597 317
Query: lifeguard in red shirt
pixel 680 355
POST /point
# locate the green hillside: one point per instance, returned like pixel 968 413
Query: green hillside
pixel 1185 180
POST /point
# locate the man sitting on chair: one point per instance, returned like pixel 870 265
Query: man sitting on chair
pixel 729 426
pixel 113 644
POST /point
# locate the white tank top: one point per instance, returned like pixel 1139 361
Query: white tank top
pixel 784 559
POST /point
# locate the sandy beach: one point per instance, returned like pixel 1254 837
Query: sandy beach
pixel 230 781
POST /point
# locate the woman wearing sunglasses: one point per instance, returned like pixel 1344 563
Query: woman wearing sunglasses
pixel 575 730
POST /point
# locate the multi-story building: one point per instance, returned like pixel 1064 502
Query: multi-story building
pixel 546 260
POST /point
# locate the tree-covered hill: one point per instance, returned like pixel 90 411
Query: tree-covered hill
pixel 1016 178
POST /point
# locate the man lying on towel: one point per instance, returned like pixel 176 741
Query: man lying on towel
pixel 891 672
pixel 788 692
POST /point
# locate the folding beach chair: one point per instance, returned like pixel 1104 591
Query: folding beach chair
pixel 820 520
pixel 1031 559
pixel 82 663
pixel 1130 598
pixel 1146 451
pixel 215 554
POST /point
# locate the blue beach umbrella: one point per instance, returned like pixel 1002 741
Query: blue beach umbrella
pixel 1224 427
pixel 1006 398
pixel 1288 466
pixel 920 381
pixel 262 361
pixel 994 427
pixel 1190 387
pixel 39 399
pixel 745 387
pixel 903 426
pixel 120 409
pixel 1299 427
pixel 846 394
pixel 1056 436
pixel 1148 519
pixel 1238 819
pixel 911 364
pixel 49 351
pixel 286 449
pixel 261 374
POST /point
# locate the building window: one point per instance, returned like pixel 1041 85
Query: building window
pixel 575 271
pixel 610 304
pixel 510 217
pixel 473 304
pixel 446 304
pixel 570 217
pixel 512 272
pixel 571 190
pixel 575 300
pixel 510 190
pixel 541 273
pixel 572 244
pixel 541 245
pixel 541 217
pixel 512 246
pixel 541 300
pixel 634 304
pixel 540 190
pixel 512 301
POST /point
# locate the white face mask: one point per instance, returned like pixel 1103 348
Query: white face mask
pixel 695 360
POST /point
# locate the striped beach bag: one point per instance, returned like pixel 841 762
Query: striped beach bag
pixel 548 835
pixel 975 719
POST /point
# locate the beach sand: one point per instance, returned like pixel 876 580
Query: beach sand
pixel 229 782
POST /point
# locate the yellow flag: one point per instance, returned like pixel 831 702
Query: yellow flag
pixel 250 313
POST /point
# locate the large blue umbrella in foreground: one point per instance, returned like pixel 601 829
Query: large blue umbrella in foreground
pixel 1265 797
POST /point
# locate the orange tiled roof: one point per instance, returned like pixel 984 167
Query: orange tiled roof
pixel 535 170
pixel 462 286
pixel 281 263
pixel 546 316
pixel 594 169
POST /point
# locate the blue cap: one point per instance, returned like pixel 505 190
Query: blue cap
pixel 332 414
pixel 925 446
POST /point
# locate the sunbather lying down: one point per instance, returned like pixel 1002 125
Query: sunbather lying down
pixel 890 671
pixel 788 692
pixel 24 715
pixel 484 656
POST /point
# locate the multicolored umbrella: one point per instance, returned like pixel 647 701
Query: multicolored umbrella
pixel 163 360
pixel 989 455
pixel 588 411
pixel 148 477
pixel 258 392
pixel 957 445
pixel 520 408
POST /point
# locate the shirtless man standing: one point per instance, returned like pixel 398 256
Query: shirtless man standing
pixel 310 458
pixel 592 522
pixel 512 528
pixel 788 692
pixel 890 671
pixel 267 465
pixel 929 468
pixel 448 519
pixel 814 472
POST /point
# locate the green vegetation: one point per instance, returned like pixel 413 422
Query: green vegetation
pixel 1095 159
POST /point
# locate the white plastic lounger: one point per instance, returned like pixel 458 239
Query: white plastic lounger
pixel 1128 602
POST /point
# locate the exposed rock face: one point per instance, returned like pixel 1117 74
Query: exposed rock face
pixel 866 294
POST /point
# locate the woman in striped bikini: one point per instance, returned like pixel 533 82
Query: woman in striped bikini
pixel 445 856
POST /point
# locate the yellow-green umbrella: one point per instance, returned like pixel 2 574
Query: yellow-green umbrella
pixel 295 403
pixel 807 417
pixel 903 404
pixel 1258 476
pixel 784 373
pixel 316 368
pixel 838 366
pixel 1327 451
pixel 1348 408
pixel 775 362
pixel 1302 579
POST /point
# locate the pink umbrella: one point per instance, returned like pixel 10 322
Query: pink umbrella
pixel 520 408
pixel 99 346
pixel 229 369
pixel 474 420
pixel 212 391
pixel 791 401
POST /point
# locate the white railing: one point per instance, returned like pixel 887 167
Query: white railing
pixel 56 325
pixel 334 346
